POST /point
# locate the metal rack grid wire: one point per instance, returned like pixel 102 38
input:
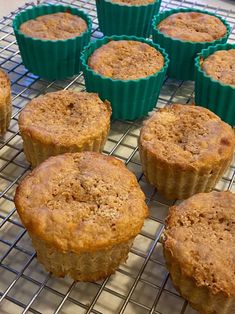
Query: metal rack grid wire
pixel 142 285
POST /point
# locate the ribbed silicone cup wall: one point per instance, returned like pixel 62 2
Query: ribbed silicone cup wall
pixel 212 94
pixel 182 53
pixel 119 19
pixel 51 59
pixel 130 99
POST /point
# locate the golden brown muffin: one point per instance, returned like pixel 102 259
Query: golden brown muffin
pixel 82 212
pixel 192 26
pixel 54 26
pixel 221 66
pixel 199 248
pixel 5 102
pixel 185 150
pixel 63 121
pixel 126 60
pixel 133 2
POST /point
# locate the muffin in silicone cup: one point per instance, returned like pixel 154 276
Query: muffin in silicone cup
pixel 182 52
pixel 82 212
pixel 126 17
pixel 199 246
pixel 5 102
pixel 212 93
pixel 62 122
pixel 129 98
pixel 185 149
pixel 51 59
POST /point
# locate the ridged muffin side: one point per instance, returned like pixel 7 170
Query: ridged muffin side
pixel 5 102
pixel 82 211
pixel 64 121
pixel 185 150
pixel 87 266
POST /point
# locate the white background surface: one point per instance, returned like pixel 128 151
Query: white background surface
pixel 6 6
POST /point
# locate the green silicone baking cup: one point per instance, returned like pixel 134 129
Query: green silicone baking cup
pixel 212 94
pixel 51 59
pixel 131 20
pixel 130 99
pixel 182 53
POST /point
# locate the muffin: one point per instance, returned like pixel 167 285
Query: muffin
pixel 221 66
pixel 199 248
pixel 187 31
pixel 126 60
pixel 61 25
pixel 63 121
pixel 215 80
pixel 82 195
pixel 137 15
pixel 127 71
pixel 192 26
pixel 185 150
pixel 5 102
pixel 44 31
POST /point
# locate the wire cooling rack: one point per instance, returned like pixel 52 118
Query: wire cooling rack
pixel 140 286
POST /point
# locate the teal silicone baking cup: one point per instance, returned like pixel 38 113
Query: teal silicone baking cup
pixel 130 99
pixel 213 94
pixel 51 59
pixel 182 53
pixel 121 19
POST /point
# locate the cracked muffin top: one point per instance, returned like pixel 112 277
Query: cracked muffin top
pixel 56 26
pixel 200 237
pixel 221 66
pixel 126 60
pixel 82 202
pixel 189 136
pixel 133 2
pixel 65 117
pixel 193 26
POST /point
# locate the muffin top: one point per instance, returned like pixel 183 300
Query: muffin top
pixel 65 117
pixel 5 88
pixel 84 202
pixel 192 26
pixel 56 26
pixel 133 2
pixel 191 137
pixel 200 236
pixel 221 66
pixel 126 60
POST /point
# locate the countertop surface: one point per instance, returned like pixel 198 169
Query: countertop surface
pixel 6 6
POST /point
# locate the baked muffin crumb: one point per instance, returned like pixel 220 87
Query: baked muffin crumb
pixel 82 195
pixel 126 60
pixel 185 149
pixel 63 121
pixel 221 66
pixel 192 26
pixel 185 134
pixel 199 246
pixel 55 114
pixel 78 210
pixel 56 26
